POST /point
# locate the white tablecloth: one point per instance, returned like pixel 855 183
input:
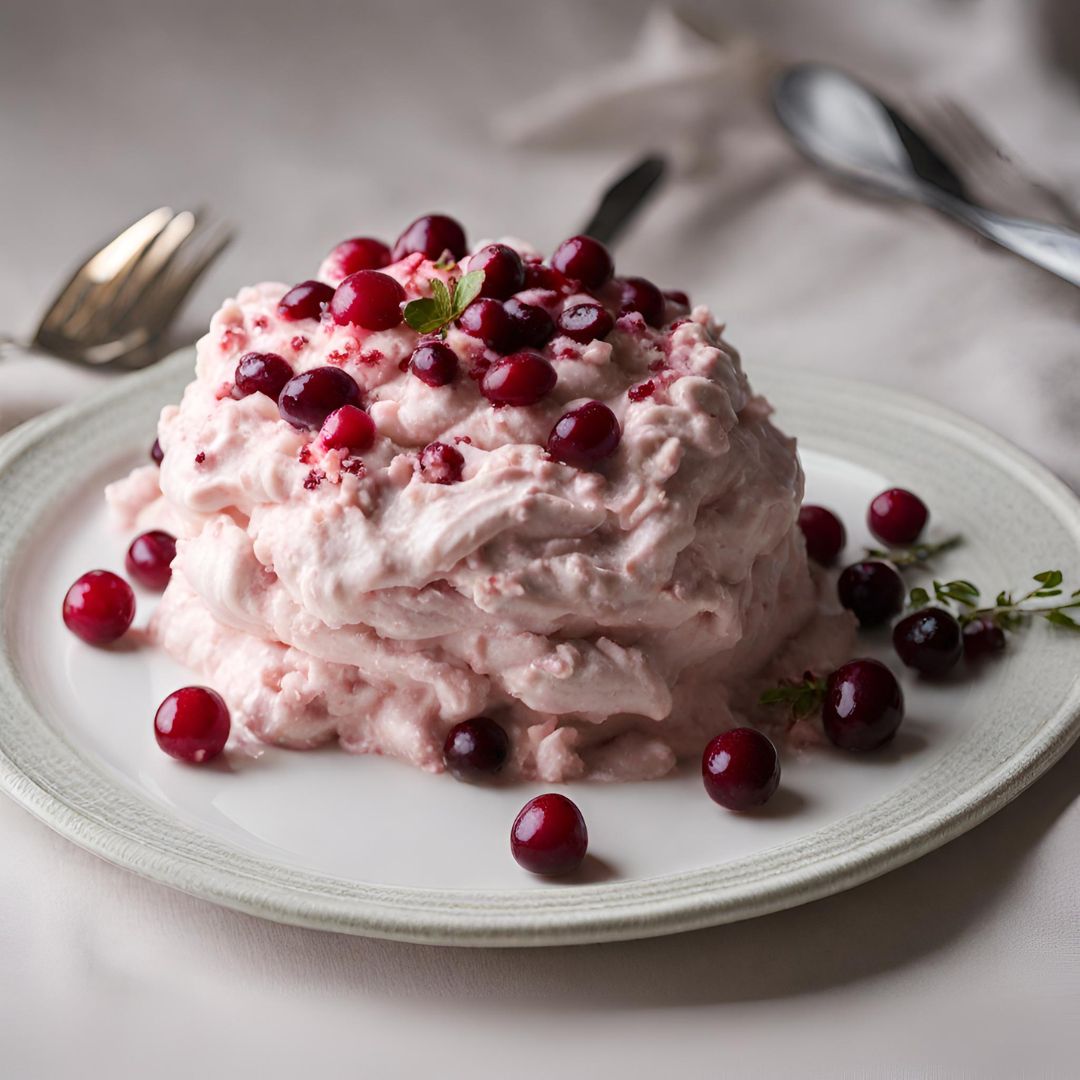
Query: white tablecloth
pixel 303 124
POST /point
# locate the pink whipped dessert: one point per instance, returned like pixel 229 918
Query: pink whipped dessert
pixel 570 514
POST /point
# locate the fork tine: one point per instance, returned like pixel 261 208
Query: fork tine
pixel 101 266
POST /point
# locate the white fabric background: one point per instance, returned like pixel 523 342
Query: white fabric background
pixel 303 124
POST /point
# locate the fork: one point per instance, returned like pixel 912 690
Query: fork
pixel 993 176
pixel 114 310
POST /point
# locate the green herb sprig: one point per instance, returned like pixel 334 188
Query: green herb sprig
pixel 801 696
pixel 1008 611
pixel 432 314
pixel 916 554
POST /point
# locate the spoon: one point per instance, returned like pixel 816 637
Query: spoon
pixel 846 128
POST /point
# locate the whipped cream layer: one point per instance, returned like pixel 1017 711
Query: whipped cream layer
pixel 611 620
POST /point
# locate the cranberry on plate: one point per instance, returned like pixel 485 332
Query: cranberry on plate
pixel 441 463
pixel 308 300
pixel 360 253
pixel 488 320
pixel 873 590
pixel 157 455
pixel 581 258
pixel 982 638
pixel 434 363
pixel 639 294
pixel 262 373
pixel 99 607
pixel 824 533
pixel 306 400
pixel 533 326
pixel 149 558
pixel 192 724
pixel 549 836
pixel 504 272
pixel 369 299
pixel 863 705
pixel 522 378
pixel 586 322
pixel 930 641
pixel 432 236
pixel 741 769
pixel 897 516
pixel 475 749
pixel 348 428
pixel 585 436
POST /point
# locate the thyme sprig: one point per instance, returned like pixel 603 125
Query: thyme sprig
pixel 918 554
pixel 1008 611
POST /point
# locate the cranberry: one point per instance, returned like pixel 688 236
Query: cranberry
pixel 99 607
pixel 584 259
pixel 307 300
pixel 348 428
pixel 520 379
pixel 307 400
pixel 586 322
pixel 504 273
pixel 863 705
pixel 929 641
pixel 982 637
pixel 539 276
pixel 741 769
pixel 533 326
pixel 638 294
pixel 157 455
pixel 824 533
pixel 432 235
pixel 441 464
pixel 368 299
pixel 262 373
pixel 434 363
pixel 360 253
pixel 489 321
pixel 897 517
pixel 192 724
pixel 677 296
pixel 585 435
pixel 149 559
pixel 549 835
pixel 475 748
pixel 873 590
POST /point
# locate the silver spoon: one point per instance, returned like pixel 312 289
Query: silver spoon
pixel 846 128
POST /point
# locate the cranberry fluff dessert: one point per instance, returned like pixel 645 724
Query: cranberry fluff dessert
pixel 482 512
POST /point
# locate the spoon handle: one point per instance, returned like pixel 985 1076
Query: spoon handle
pixel 622 201
pixel 1050 246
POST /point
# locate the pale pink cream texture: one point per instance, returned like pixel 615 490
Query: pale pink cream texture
pixel 611 620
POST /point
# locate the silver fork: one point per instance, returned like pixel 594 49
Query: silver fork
pixel 114 310
pixel 992 175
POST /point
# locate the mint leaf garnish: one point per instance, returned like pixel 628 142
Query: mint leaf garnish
pixel 432 314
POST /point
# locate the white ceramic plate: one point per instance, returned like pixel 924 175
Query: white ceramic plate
pixel 370 846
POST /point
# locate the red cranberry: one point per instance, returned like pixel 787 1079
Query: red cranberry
pixel 741 769
pixel 475 749
pixel 539 276
pixel 432 235
pixel 677 296
pixel 638 294
pixel 586 322
pixel 873 590
pixel 149 559
pixel 489 321
pixel 863 705
pixel 441 464
pixel 360 253
pixel 549 836
pixel 585 435
pixel 929 641
pixel 157 455
pixel 348 428
pixel 308 399
pixel 584 259
pixel 307 300
pixel 262 373
pixel 520 379
pixel 534 327
pixel 368 299
pixel 897 517
pixel 504 273
pixel 99 607
pixel 192 724
pixel 982 637
pixel 434 363
pixel 824 533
